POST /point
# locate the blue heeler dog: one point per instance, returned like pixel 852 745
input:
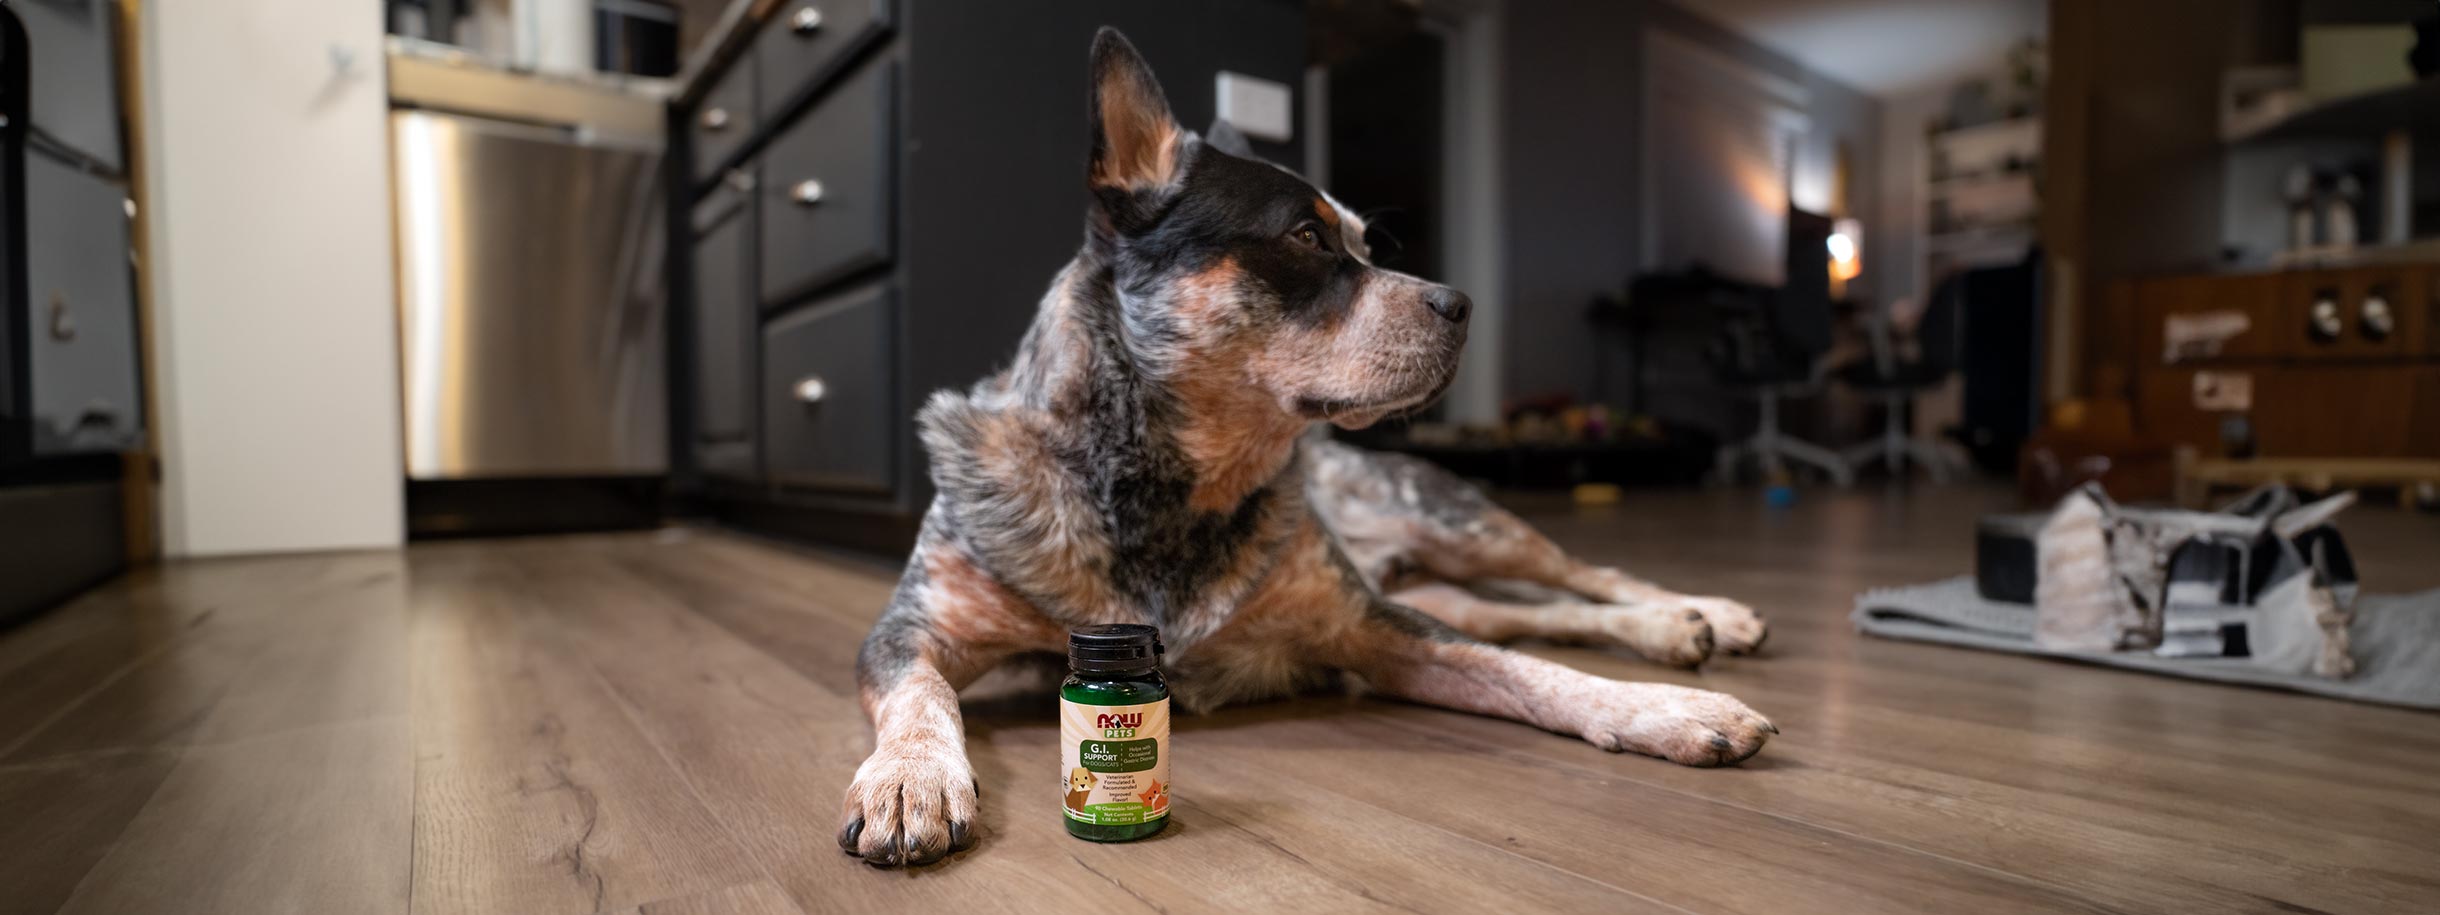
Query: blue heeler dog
pixel 1142 460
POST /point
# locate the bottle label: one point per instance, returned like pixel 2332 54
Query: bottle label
pixel 1115 759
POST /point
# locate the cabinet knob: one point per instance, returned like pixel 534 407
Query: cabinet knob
pixel 715 119
pixel 809 389
pixel 806 193
pixel 2374 318
pixel 738 180
pixel 63 323
pixel 806 21
pixel 2323 322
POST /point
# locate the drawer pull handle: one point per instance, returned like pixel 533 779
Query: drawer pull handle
pixel 809 389
pixel 2323 322
pixel 63 323
pixel 715 119
pixel 806 193
pixel 2375 319
pixel 806 21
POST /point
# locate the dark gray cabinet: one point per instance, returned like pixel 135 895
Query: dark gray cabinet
pixel 908 177
pixel 828 403
pixel 722 330
pixel 831 203
pixel 723 121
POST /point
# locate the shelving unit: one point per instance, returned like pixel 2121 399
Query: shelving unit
pixel 1979 195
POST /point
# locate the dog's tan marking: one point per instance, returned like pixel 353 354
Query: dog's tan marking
pixel 973 614
pixel 1234 433
pixel 1142 138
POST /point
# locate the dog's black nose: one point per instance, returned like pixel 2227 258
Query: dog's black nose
pixel 1449 303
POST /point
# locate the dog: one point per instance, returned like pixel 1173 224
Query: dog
pixel 1143 459
pixel 1080 784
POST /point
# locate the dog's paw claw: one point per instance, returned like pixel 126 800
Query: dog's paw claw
pixel 909 808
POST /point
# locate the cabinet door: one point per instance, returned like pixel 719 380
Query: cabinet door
pixel 725 118
pixel 829 414
pixel 724 349
pixel 829 208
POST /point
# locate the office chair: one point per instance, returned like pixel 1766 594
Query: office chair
pixel 1779 357
pixel 1896 381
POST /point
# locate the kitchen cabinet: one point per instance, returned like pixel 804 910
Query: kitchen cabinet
pixel 876 195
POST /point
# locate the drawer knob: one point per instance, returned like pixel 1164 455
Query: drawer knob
pixel 63 323
pixel 715 119
pixel 806 193
pixel 2374 319
pixel 2323 321
pixel 806 21
pixel 809 389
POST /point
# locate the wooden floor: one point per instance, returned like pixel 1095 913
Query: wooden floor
pixel 665 722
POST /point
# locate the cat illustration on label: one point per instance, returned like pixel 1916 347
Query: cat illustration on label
pixel 1079 785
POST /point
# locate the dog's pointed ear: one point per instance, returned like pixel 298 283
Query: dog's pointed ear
pixel 1135 140
pixel 1225 137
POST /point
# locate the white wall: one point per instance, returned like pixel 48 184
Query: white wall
pixel 275 329
pixel 1893 243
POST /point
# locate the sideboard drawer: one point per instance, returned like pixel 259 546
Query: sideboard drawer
pixel 828 403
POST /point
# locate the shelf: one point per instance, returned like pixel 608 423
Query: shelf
pixel 2367 114
pixel 1981 178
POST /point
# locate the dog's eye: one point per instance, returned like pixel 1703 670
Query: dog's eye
pixel 1307 235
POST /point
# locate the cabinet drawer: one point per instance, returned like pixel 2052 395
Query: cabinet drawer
pixel 2357 313
pixel 723 344
pixel 828 407
pixel 826 190
pixel 725 119
pixel 805 39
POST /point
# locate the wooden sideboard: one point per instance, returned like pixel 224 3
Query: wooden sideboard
pixel 2339 363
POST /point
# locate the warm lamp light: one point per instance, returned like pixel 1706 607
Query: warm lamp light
pixel 1846 246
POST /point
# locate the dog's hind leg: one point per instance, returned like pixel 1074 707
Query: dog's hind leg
pixel 913 800
pixel 1680 638
pixel 1401 652
pixel 1391 504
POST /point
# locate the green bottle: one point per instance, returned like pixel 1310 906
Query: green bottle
pixel 1114 734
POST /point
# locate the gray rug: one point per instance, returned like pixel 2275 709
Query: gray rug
pixel 2396 640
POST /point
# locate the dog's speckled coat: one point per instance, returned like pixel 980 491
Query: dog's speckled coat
pixel 1140 461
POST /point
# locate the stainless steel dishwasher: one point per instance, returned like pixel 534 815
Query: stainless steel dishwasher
pixel 532 306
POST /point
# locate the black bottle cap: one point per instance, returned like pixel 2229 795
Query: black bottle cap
pixel 1117 648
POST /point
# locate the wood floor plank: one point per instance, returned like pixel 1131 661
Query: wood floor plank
pixel 1682 850
pixel 533 792
pixel 759 898
pixel 301 821
pixel 57 819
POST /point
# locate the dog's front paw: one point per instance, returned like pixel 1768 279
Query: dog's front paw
pixel 1688 726
pixel 1737 627
pixel 910 806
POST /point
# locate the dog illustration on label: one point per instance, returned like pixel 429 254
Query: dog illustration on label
pixel 1080 783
